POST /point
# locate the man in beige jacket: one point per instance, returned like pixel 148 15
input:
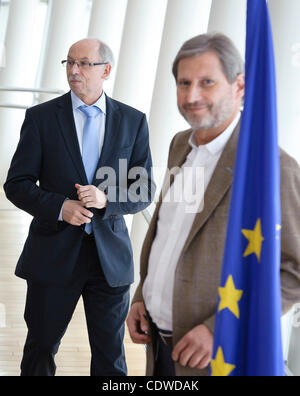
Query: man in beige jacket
pixel 174 306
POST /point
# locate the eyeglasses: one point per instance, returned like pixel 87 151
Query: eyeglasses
pixel 81 64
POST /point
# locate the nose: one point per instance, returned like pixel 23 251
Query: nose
pixel 74 69
pixel 194 93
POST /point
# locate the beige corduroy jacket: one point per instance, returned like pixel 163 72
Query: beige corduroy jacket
pixel 198 272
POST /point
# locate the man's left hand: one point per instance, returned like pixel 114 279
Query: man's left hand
pixel 91 196
pixel 195 348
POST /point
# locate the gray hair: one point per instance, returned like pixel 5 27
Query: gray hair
pixel 221 45
pixel 106 54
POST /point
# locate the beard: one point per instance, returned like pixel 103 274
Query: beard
pixel 216 113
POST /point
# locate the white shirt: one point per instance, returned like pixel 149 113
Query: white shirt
pixel 175 220
pixel 80 119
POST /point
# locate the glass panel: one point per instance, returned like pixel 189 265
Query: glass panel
pixel 4 11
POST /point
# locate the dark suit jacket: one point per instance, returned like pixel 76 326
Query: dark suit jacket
pixel 48 152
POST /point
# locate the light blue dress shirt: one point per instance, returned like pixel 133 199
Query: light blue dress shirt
pixel 80 119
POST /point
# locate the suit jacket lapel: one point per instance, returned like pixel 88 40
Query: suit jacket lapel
pixel 219 184
pixel 177 158
pixel 112 129
pixel 68 129
pixel 67 125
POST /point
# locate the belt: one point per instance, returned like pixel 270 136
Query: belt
pixel 167 340
pixel 166 337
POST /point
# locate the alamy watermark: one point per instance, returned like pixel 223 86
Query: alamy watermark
pixel 135 185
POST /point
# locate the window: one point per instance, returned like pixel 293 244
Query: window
pixel 4 10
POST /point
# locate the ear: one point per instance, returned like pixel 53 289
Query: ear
pixel 106 72
pixel 240 86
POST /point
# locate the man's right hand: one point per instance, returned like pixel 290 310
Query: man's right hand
pixel 138 324
pixel 74 213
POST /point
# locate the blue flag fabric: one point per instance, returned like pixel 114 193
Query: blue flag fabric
pixel 247 339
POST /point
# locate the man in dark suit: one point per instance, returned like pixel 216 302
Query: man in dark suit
pixel 78 243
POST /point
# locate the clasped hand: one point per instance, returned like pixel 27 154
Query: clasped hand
pixel 76 212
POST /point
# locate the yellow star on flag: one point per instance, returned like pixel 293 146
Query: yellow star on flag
pixel 230 297
pixel 255 240
pixel 219 367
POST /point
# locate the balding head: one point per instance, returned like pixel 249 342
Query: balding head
pixel 92 62
pixel 104 52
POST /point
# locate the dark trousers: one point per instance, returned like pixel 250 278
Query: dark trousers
pixel 163 363
pixel 49 309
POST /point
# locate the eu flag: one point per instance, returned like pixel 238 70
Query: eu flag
pixel 247 340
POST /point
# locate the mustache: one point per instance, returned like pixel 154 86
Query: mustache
pixel 74 78
pixel 197 105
